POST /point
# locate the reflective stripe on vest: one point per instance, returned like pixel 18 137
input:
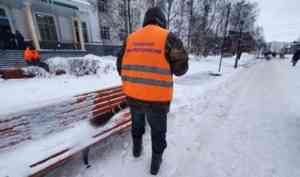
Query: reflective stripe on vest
pixel 147 69
pixel 148 81
pixel 146 73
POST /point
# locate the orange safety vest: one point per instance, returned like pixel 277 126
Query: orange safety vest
pixel 35 55
pixel 27 55
pixel 146 73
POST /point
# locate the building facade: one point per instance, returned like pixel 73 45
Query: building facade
pixel 50 24
pixel 72 24
pixel 113 19
pixel 68 27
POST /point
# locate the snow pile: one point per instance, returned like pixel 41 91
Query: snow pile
pixel 193 57
pixel 80 66
pixel 35 71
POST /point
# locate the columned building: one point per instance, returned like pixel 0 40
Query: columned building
pixel 49 24
pixel 67 27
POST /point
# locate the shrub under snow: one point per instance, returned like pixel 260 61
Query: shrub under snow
pixel 35 71
pixel 80 66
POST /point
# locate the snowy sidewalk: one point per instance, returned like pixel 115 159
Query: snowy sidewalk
pixel 246 127
pixel 204 139
pixel 259 136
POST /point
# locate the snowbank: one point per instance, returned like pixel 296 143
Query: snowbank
pixel 35 71
pixel 80 66
pixel 23 94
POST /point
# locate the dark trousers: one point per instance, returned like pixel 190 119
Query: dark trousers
pixel 294 62
pixel 158 123
pixel 29 63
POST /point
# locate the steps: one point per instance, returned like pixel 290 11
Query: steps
pixel 11 58
pixel 14 58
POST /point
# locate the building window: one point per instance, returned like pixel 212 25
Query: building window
pixel 2 13
pixel 85 32
pixel 105 34
pixel 47 27
pixel 102 5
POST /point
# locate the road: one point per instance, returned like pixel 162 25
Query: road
pixel 248 126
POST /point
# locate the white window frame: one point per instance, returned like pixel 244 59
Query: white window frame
pixel 109 32
pixel 55 24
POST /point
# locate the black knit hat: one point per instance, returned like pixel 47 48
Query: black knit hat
pixel 155 16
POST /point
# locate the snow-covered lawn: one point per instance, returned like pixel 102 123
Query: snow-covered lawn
pixel 25 94
pixel 195 93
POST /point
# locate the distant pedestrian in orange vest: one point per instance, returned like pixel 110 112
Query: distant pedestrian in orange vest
pixel 28 56
pixel 36 56
pixel 149 58
pixel 32 58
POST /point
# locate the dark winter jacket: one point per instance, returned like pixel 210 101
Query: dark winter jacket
pixel 296 56
pixel 20 40
pixel 2 38
pixel 174 53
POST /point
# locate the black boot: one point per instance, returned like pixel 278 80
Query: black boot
pixel 137 147
pixel 155 163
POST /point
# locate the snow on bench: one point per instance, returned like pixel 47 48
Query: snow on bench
pixel 48 164
pixel 105 111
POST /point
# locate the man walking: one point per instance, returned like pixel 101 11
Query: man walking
pixel 149 58
pixel 296 57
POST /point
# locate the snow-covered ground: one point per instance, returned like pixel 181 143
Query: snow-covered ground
pixel 245 123
pixel 23 94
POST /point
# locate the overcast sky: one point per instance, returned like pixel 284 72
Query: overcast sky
pixel 280 19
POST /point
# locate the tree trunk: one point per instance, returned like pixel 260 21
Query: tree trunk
pixel 125 18
pixel 225 35
pixel 190 23
pixel 129 15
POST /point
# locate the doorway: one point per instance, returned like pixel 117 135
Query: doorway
pixel 6 36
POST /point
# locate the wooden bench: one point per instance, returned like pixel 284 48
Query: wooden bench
pixel 98 107
pixel 13 73
pixel 50 163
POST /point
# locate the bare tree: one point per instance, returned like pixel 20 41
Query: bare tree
pixel 191 23
pixel 260 41
pixel 179 24
pixel 243 19
pixel 202 27
pixel 129 16
pixel 200 23
pixel 170 15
